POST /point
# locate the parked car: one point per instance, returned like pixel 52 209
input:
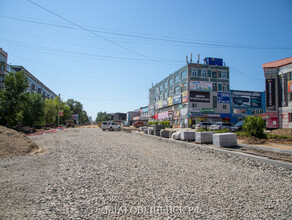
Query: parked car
pixel 109 125
pixel 221 126
pixel 204 125
pixel 237 126
pixel 138 124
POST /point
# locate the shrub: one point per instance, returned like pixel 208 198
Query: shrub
pixel 254 126
pixel 222 131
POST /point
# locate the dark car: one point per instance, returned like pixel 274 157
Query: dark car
pixel 237 126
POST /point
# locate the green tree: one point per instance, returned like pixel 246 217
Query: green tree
pixel 254 126
pixel 102 116
pixel 13 99
pixel 50 112
pixel 77 108
pixel 34 111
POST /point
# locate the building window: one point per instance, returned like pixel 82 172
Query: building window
pixel 224 107
pixel 209 73
pixel 214 74
pixel 165 85
pixel 194 105
pixel 224 87
pixel 219 87
pixel 214 85
pixel 165 95
pixel 199 72
pixel 204 73
pixel 184 74
pixel 224 75
pixel 157 90
pixel 170 92
pixel 227 87
pixel 161 97
pixel 170 82
pixel 219 74
pixel 214 101
pixel 177 78
pixel 177 90
pixel 161 87
pixel 184 87
pixel 193 72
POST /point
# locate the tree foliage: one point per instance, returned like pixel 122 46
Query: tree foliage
pixel 34 111
pixel 254 126
pixel 77 108
pixel 13 99
pixel 102 116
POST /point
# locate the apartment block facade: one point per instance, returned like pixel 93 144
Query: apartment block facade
pixel 278 77
pixel 194 93
pixel 35 86
pixel 5 68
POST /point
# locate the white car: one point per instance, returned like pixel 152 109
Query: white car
pixel 221 126
pixel 111 126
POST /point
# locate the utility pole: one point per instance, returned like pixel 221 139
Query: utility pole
pixel 59 110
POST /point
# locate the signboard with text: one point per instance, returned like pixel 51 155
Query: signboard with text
pixel 223 97
pixel 201 85
pixel 282 92
pixel 199 96
pixel 270 94
pixel 176 99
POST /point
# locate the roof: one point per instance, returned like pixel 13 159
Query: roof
pixel 278 63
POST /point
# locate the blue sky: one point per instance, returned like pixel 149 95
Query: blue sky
pixel 129 44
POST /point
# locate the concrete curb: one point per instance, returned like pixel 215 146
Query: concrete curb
pixel 276 150
pixel 223 151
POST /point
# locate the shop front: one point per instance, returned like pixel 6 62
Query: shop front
pixel 195 118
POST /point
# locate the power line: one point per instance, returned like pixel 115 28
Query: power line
pixel 229 45
pixel 85 29
pixel 123 99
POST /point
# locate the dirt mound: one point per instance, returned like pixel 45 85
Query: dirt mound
pixel 13 143
pixel 283 131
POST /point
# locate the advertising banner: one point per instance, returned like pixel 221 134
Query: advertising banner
pixel 201 85
pixel 289 86
pixel 199 96
pixel 170 100
pixel 164 103
pixel 270 94
pixel 223 97
pixel 156 116
pixel 283 94
pixel 162 115
pixel 176 99
pixel 185 97
pixel 160 104
pixel 256 101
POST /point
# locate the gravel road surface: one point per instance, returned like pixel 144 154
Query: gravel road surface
pixel 86 173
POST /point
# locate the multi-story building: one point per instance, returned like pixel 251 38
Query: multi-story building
pixel 194 93
pixel 5 68
pixel 35 86
pixel 131 115
pixel 245 103
pixel 278 75
pixel 118 116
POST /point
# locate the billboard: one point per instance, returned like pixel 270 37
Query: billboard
pixel 246 99
pixel 199 96
pixel 270 94
pixel 160 104
pixel 164 103
pixel 201 85
pixel 170 100
pixel 185 96
pixel 282 92
pixel 223 97
pixel 176 99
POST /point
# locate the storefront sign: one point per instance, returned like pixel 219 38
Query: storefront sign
pixel 223 97
pixel 282 92
pixel 162 115
pixel 208 110
pixel 176 99
pixel 270 94
pixel 136 118
pixel 199 96
pixel 196 110
pixel 170 100
pixel 201 85
pixel 185 97
pixel 160 104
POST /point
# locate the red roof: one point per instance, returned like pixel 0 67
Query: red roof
pixel 278 63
